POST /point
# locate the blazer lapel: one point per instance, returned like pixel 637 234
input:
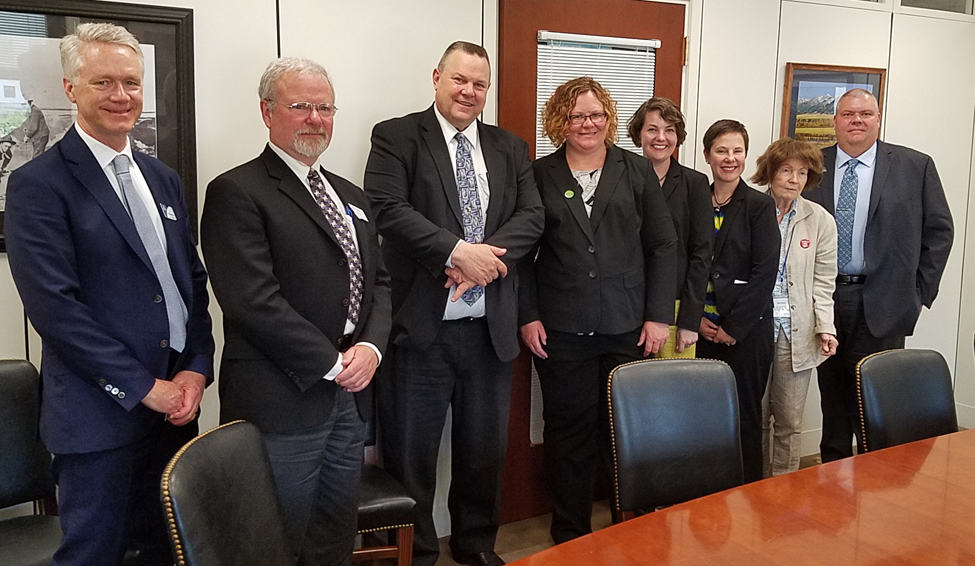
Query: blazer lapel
pixel 609 179
pixel 730 213
pixel 558 169
pixel 671 180
pixel 433 138
pixel 296 191
pixel 881 172
pixel 365 253
pixel 497 176
pixel 89 175
pixel 823 194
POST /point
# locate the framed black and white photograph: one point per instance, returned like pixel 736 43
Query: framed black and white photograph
pixel 35 113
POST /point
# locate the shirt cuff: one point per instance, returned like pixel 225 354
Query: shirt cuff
pixel 450 261
pixel 336 369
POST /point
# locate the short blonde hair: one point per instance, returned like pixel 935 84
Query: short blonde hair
pixel 555 116
pixel 70 45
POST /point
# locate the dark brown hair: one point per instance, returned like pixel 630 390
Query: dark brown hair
pixel 722 127
pixel 668 111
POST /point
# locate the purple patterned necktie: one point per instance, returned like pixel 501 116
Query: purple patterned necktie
pixel 470 206
pixel 344 236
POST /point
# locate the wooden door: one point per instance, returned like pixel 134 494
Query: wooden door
pixel 523 488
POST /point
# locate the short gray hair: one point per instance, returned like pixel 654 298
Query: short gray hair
pixel 284 65
pixel 94 33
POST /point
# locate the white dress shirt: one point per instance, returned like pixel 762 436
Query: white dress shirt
pixel 459 309
pixel 864 171
pixel 301 171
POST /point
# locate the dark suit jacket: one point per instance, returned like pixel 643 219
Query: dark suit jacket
pixel 907 239
pixel 90 290
pixel 689 200
pixel 746 261
pixel 607 272
pixel 282 282
pixel 410 182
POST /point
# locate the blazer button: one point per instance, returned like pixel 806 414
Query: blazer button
pixel 341 262
pixel 592 274
pixel 108 387
pixel 121 394
pixel 345 302
pixel 102 382
pixel 164 343
pixel 591 249
pixel 157 298
pixel 115 391
pixel 715 275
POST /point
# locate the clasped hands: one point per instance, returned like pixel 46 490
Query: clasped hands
pixel 179 398
pixel 474 264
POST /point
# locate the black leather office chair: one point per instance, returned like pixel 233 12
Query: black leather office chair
pixel 903 396
pixel 24 470
pixel 674 430
pixel 385 508
pixel 220 502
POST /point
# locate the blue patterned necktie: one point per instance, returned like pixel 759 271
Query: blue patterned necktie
pixel 845 208
pixel 344 236
pixel 470 206
pixel 175 308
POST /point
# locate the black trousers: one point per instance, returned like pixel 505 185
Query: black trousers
pixel 751 360
pixel 837 375
pixel 460 371
pixel 576 409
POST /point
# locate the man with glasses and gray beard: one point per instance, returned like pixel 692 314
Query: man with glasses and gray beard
pixel 295 265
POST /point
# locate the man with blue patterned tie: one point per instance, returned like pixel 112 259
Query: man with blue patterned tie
pixel 894 233
pixel 457 206
pixel 100 249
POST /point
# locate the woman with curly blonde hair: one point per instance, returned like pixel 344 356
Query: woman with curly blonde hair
pixel 600 291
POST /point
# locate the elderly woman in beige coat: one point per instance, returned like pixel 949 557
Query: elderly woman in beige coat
pixel 804 333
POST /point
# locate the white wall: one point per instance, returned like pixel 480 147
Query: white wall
pixel 381 55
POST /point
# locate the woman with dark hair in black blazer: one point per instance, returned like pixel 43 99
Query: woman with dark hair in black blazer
pixel 658 128
pixel 600 291
pixel 737 322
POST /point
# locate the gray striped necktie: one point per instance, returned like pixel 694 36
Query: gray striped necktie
pixel 175 308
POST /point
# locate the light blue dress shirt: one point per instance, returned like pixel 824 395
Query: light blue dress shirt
pixel 864 171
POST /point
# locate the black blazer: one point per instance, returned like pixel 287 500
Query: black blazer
pixel 410 183
pixel 282 282
pixel 689 200
pixel 908 236
pixel 746 260
pixel 608 272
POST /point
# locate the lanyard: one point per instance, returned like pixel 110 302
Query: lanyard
pixel 788 247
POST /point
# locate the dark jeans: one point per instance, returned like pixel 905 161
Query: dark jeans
pixel 317 473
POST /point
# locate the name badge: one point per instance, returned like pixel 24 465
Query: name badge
pixel 780 307
pixel 167 211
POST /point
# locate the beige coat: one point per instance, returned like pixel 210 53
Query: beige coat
pixel 811 272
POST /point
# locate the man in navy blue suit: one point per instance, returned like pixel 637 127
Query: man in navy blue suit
pixel 100 250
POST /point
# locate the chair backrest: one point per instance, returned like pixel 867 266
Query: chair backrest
pixel 675 431
pixel 220 503
pixel 903 396
pixel 25 463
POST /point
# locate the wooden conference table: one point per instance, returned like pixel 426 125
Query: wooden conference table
pixel 910 504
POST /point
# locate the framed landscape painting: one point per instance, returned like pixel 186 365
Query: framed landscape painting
pixel 810 95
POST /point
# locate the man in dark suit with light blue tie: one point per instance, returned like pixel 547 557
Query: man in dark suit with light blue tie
pixel 894 234
pixel 457 206
pixel 100 250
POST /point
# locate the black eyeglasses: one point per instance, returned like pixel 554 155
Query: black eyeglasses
pixel 596 118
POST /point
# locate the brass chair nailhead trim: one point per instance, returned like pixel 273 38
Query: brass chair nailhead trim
pixel 167 500
pixel 378 529
pixel 863 421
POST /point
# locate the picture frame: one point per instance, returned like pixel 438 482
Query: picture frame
pixel 30 67
pixel 810 95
